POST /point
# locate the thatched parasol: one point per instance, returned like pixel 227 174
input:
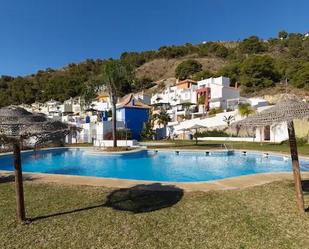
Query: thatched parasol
pixel 286 110
pixel 16 125
pixel 196 127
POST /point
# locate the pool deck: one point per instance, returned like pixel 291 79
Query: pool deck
pixel 239 182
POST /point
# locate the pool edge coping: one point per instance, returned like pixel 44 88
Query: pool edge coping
pixel 231 183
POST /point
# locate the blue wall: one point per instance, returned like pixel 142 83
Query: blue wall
pixel 134 119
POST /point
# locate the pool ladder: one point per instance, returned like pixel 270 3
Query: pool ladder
pixel 229 148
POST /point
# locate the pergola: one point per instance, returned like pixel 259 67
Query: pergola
pixel 286 110
pixel 16 125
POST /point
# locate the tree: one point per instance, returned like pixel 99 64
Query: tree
pixel 116 76
pixel 162 118
pixel 231 70
pixel 252 45
pixel 245 110
pixel 258 72
pixel 187 68
pixel 205 74
pixel 228 119
pixel 301 77
pixel 282 35
pixel 213 48
pixel 295 42
pixel 147 133
pixel 143 83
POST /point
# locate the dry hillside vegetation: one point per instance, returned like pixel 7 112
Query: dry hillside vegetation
pixel 165 68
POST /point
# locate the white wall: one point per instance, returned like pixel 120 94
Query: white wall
pixel 109 143
pixel 226 139
pixel 278 133
pixel 219 89
pixel 105 127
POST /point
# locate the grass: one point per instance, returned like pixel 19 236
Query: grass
pixel 204 145
pixel 78 217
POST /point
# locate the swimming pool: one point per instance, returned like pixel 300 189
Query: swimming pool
pixel 151 165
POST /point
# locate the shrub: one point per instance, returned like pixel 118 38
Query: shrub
pixel 212 133
pixel 120 135
pixel 301 141
pixel 214 111
pixel 147 132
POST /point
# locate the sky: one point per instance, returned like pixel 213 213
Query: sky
pixel 38 34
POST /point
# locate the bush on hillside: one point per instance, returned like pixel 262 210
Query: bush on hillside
pixel 258 72
pixel 205 74
pixel 252 45
pixel 187 68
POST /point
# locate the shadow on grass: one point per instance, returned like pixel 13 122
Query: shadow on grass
pixel 11 178
pixel 144 198
pixel 138 199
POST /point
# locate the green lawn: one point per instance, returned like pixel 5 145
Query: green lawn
pixel 185 144
pixel 81 217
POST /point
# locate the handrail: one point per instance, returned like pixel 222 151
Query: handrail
pixel 227 148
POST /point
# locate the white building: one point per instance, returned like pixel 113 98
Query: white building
pixel 72 105
pixel 257 102
pixel 217 92
pixel 275 133
pixel 180 97
pixel 182 92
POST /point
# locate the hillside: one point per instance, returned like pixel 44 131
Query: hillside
pixel 258 66
pixel 158 69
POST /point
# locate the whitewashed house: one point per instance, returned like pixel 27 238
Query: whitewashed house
pixel 102 102
pixel 217 92
pixel 179 97
pixel 72 106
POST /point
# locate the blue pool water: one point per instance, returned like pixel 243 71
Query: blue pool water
pixel 148 165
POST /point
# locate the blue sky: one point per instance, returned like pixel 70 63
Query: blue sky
pixel 36 34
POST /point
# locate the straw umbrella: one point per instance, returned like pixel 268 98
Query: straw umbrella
pixel 16 125
pixel 196 127
pixel 286 110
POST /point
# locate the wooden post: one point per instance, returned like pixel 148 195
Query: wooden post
pixel 19 183
pixel 114 121
pixel 295 166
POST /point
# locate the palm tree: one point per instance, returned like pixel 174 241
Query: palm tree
pixel 116 76
pixel 245 110
pixel 228 119
pixel 162 118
